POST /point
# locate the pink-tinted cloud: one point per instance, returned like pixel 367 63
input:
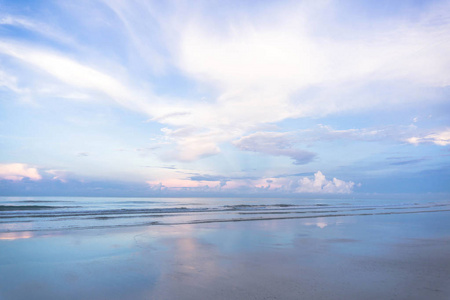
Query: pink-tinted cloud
pixel 18 171
pixel 319 184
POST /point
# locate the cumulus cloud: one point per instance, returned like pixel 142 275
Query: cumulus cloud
pixel 441 138
pixel 247 184
pixel 274 143
pixel 18 171
pixel 319 184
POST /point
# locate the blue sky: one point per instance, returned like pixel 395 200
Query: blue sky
pixel 266 98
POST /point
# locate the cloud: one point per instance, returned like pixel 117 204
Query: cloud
pixel 236 184
pixel 407 162
pixel 393 133
pixel 261 71
pixel 9 82
pixel 277 62
pixel 60 175
pixel 190 143
pixel 222 179
pixel 274 143
pixel 18 171
pixel 441 138
pixel 75 74
pixel 38 27
pixel 323 132
pixel 277 54
pixel 191 149
pixel 321 185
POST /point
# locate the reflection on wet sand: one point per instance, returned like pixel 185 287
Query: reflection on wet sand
pixel 15 231
pixel 15 235
pixel 320 222
pixel 376 257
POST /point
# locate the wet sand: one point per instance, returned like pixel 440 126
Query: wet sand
pixel 344 257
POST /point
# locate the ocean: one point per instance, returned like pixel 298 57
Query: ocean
pixel 30 214
pixel 224 248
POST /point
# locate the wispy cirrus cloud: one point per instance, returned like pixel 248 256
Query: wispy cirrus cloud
pixel 38 27
pixel 9 82
pixel 441 138
pixel 388 133
pixel 407 162
pixel 75 74
pixel 264 63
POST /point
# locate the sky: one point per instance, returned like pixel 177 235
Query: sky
pixel 224 98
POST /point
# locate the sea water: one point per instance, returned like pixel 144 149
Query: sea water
pixel 224 248
pixel 28 214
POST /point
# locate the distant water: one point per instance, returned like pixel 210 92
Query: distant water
pixel 62 213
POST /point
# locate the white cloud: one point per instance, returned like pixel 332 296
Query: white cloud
pixel 273 143
pixel 39 27
pixel 260 66
pixel 18 171
pixel 60 175
pixel 75 74
pixel 324 132
pixel 441 138
pixel 321 185
pixel 317 185
pixel 9 82
pixel 192 148
pixel 280 55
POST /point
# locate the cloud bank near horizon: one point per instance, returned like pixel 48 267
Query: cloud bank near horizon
pixel 18 171
pixel 294 185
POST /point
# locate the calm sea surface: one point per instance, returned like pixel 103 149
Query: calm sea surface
pixel 22 214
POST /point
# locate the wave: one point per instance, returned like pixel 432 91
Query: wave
pixel 110 214
pixel 26 207
pixel 42 201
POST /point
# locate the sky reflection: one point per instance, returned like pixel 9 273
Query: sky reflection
pixel 288 259
pixel 15 235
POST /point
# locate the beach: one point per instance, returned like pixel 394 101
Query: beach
pixel 378 256
pixel 224 150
